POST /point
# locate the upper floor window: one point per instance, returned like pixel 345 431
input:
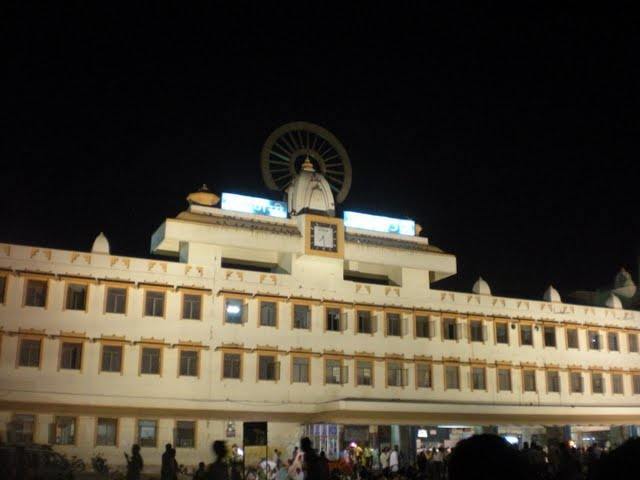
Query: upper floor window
pixel 268 314
pixel 395 374
pixel 572 338
pixel 424 378
pixel 232 365
pixel 476 331
pixel 116 300
pixel 365 321
pixel 71 355
pixel 191 306
pixel 30 352
pixel 268 367
pixel 334 373
pixel 154 303
pixel 189 363
pixel 526 335
pixel 333 319
pixel 423 327
pixel 449 329
pixel 64 432
pixel 76 296
pixel 107 432
pixel 300 370
pixel 612 340
pixel 636 384
pixel 502 332
pixel 302 316
pixel 553 381
pixel 111 358
pixel 597 383
pixel 150 362
pixel 549 336
pixel 3 288
pixel 364 372
pixel 22 428
pixel 478 378
pixel 185 434
pixel 594 340
pixel 504 379
pixel 617 385
pixel 575 380
pixel 451 377
pixel 632 339
pixel 36 294
pixel 147 433
pixel 234 310
pixel 394 325
pixel 529 380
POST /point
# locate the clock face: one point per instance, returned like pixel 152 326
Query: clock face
pixel 323 237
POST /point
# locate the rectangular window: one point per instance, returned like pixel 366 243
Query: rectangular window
pixel 76 297
pixel 191 306
pixel 268 314
pixel 365 323
pixel 3 288
pixel 300 372
pixel 394 325
pixel 449 329
pixel 30 352
pixel 553 381
pixel 549 336
pixel 594 340
pixel 106 432
pixel 234 310
pixel 636 384
pixel 232 365
pixel 22 428
pixel 612 340
pixel 597 383
pixel 529 380
pixel 476 330
pixel 71 355
pixel 395 374
pixel 364 373
pixel 116 300
pixel 575 379
pixel 632 338
pixel 478 378
pixel 111 358
pixel 154 303
pixel 189 363
pixel 424 378
pixel 267 367
pixel 617 385
pixel 504 379
pixel 64 431
pixel 185 434
pixel 502 333
pixel 333 371
pixel 302 316
pixel 147 433
pixel 333 320
pixel 150 361
pixel 526 335
pixel 572 338
pixel 422 327
pixel 451 377
pixel 36 294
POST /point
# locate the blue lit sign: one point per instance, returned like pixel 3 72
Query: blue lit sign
pixel 379 224
pixel 257 206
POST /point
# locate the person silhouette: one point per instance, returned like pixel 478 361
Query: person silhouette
pixel 134 463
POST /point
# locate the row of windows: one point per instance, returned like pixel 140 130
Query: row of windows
pixel 63 431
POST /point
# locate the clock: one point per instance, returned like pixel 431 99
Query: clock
pixel 324 237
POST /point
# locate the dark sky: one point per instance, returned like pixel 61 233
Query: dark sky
pixel 510 135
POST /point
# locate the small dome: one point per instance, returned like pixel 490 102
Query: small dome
pixel 101 244
pixel 203 197
pixel 310 192
pixel 623 285
pixel 481 287
pixel 613 301
pixel 551 295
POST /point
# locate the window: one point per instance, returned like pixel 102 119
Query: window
pixel 636 384
pixel 185 434
pixel 36 294
pixel 106 432
pixel 365 323
pixel 572 338
pixel 478 378
pixel 150 361
pixel 617 385
pixel 116 300
pixel 476 331
pixel 502 332
pixel 597 383
pixel 189 363
pixel 526 335
pixel 30 353
pixel 449 329
pixel 234 310
pixel 64 431
pixel 633 342
pixel 22 428
pixel 395 374
pixel 553 381
pixel 549 336
pixel 147 433
pixel 3 288
pixel 504 379
pixel 154 303
pixel 451 377
pixel 594 340
pixel 268 314
pixel 71 355
pixel 424 378
pixel 529 380
pixel 300 373
pixel 612 341
pixel 333 319
pixel 267 367
pixel 302 316
pixel 333 372
pixel 364 372
pixel 76 297
pixel 111 358
pixel 423 329
pixel 576 382
pixel 232 365
pixel 191 306
pixel 394 325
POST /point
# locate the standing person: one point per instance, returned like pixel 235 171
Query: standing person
pixel 167 470
pixel 384 461
pixel 436 462
pixel 218 469
pixel 311 462
pixel 200 473
pixel 394 460
pixel 175 467
pixel 276 458
pixel 134 464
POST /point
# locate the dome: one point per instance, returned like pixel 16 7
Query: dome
pixel 310 192
pixel 613 301
pixel 481 287
pixel 203 197
pixel 623 285
pixel 551 295
pixel 100 244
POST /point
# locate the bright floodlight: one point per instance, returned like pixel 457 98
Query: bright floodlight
pixel 255 205
pixel 379 224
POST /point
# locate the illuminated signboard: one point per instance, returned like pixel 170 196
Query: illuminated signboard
pixel 379 224
pixel 255 205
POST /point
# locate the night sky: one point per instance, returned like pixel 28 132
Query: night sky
pixel 511 136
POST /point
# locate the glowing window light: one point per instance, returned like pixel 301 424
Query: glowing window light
pixel 379 224
pixel 233 309
pixel 254 205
